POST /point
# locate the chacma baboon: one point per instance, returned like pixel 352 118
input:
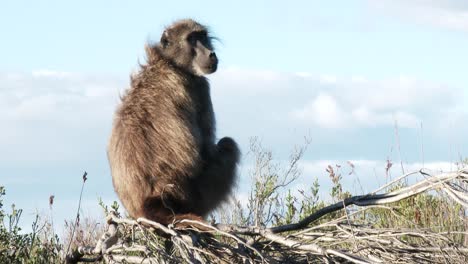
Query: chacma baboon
pixel 164 160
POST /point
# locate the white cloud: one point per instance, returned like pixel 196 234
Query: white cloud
pixel 451 14
pixel 366 104
pixel 50 73
pixel 361 102
pixel 358 79
pixel 56 125
pixel 396 93
pixel 363 116
pixel 323 110
pixel 328 79
pixel 49 115
pixel 35 107
pixel 282 107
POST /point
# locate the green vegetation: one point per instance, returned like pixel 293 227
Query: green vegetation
pixel 272 202
pixel 39 246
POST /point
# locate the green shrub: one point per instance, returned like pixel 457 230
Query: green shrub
pixel 38 246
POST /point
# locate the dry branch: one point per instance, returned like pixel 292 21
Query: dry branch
pixel 350 238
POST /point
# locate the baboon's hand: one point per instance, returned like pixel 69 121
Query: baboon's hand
pixel 228 145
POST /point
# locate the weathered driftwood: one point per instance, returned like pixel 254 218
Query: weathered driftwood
pixel 337 241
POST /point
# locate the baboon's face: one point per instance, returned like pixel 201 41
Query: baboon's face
pixel 204 57
pixel 189 47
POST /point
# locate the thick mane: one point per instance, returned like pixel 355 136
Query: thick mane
pixel 185 25
pixel 153 53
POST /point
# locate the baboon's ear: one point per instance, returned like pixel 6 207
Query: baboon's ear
pixel 165 39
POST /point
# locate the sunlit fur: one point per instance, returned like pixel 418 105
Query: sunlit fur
pixel 164 159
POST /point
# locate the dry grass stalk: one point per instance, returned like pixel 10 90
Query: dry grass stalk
pixel 350 238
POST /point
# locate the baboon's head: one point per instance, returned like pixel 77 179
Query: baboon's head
pixel 188 45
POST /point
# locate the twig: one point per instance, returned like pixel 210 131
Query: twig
pixel 347 238
pixel 371 199
pixel 77 213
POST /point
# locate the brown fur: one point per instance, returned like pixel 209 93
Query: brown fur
pixel 164 161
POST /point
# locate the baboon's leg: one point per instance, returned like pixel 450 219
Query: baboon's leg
pixel 216 180
pixel 157 210
pixel 168 211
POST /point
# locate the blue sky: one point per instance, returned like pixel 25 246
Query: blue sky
pixel 340 72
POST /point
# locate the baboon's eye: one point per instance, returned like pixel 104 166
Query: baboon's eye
pixel 192 39
pixel 197 36
pixel 203 37
pixel 164 39
pixel 164 42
